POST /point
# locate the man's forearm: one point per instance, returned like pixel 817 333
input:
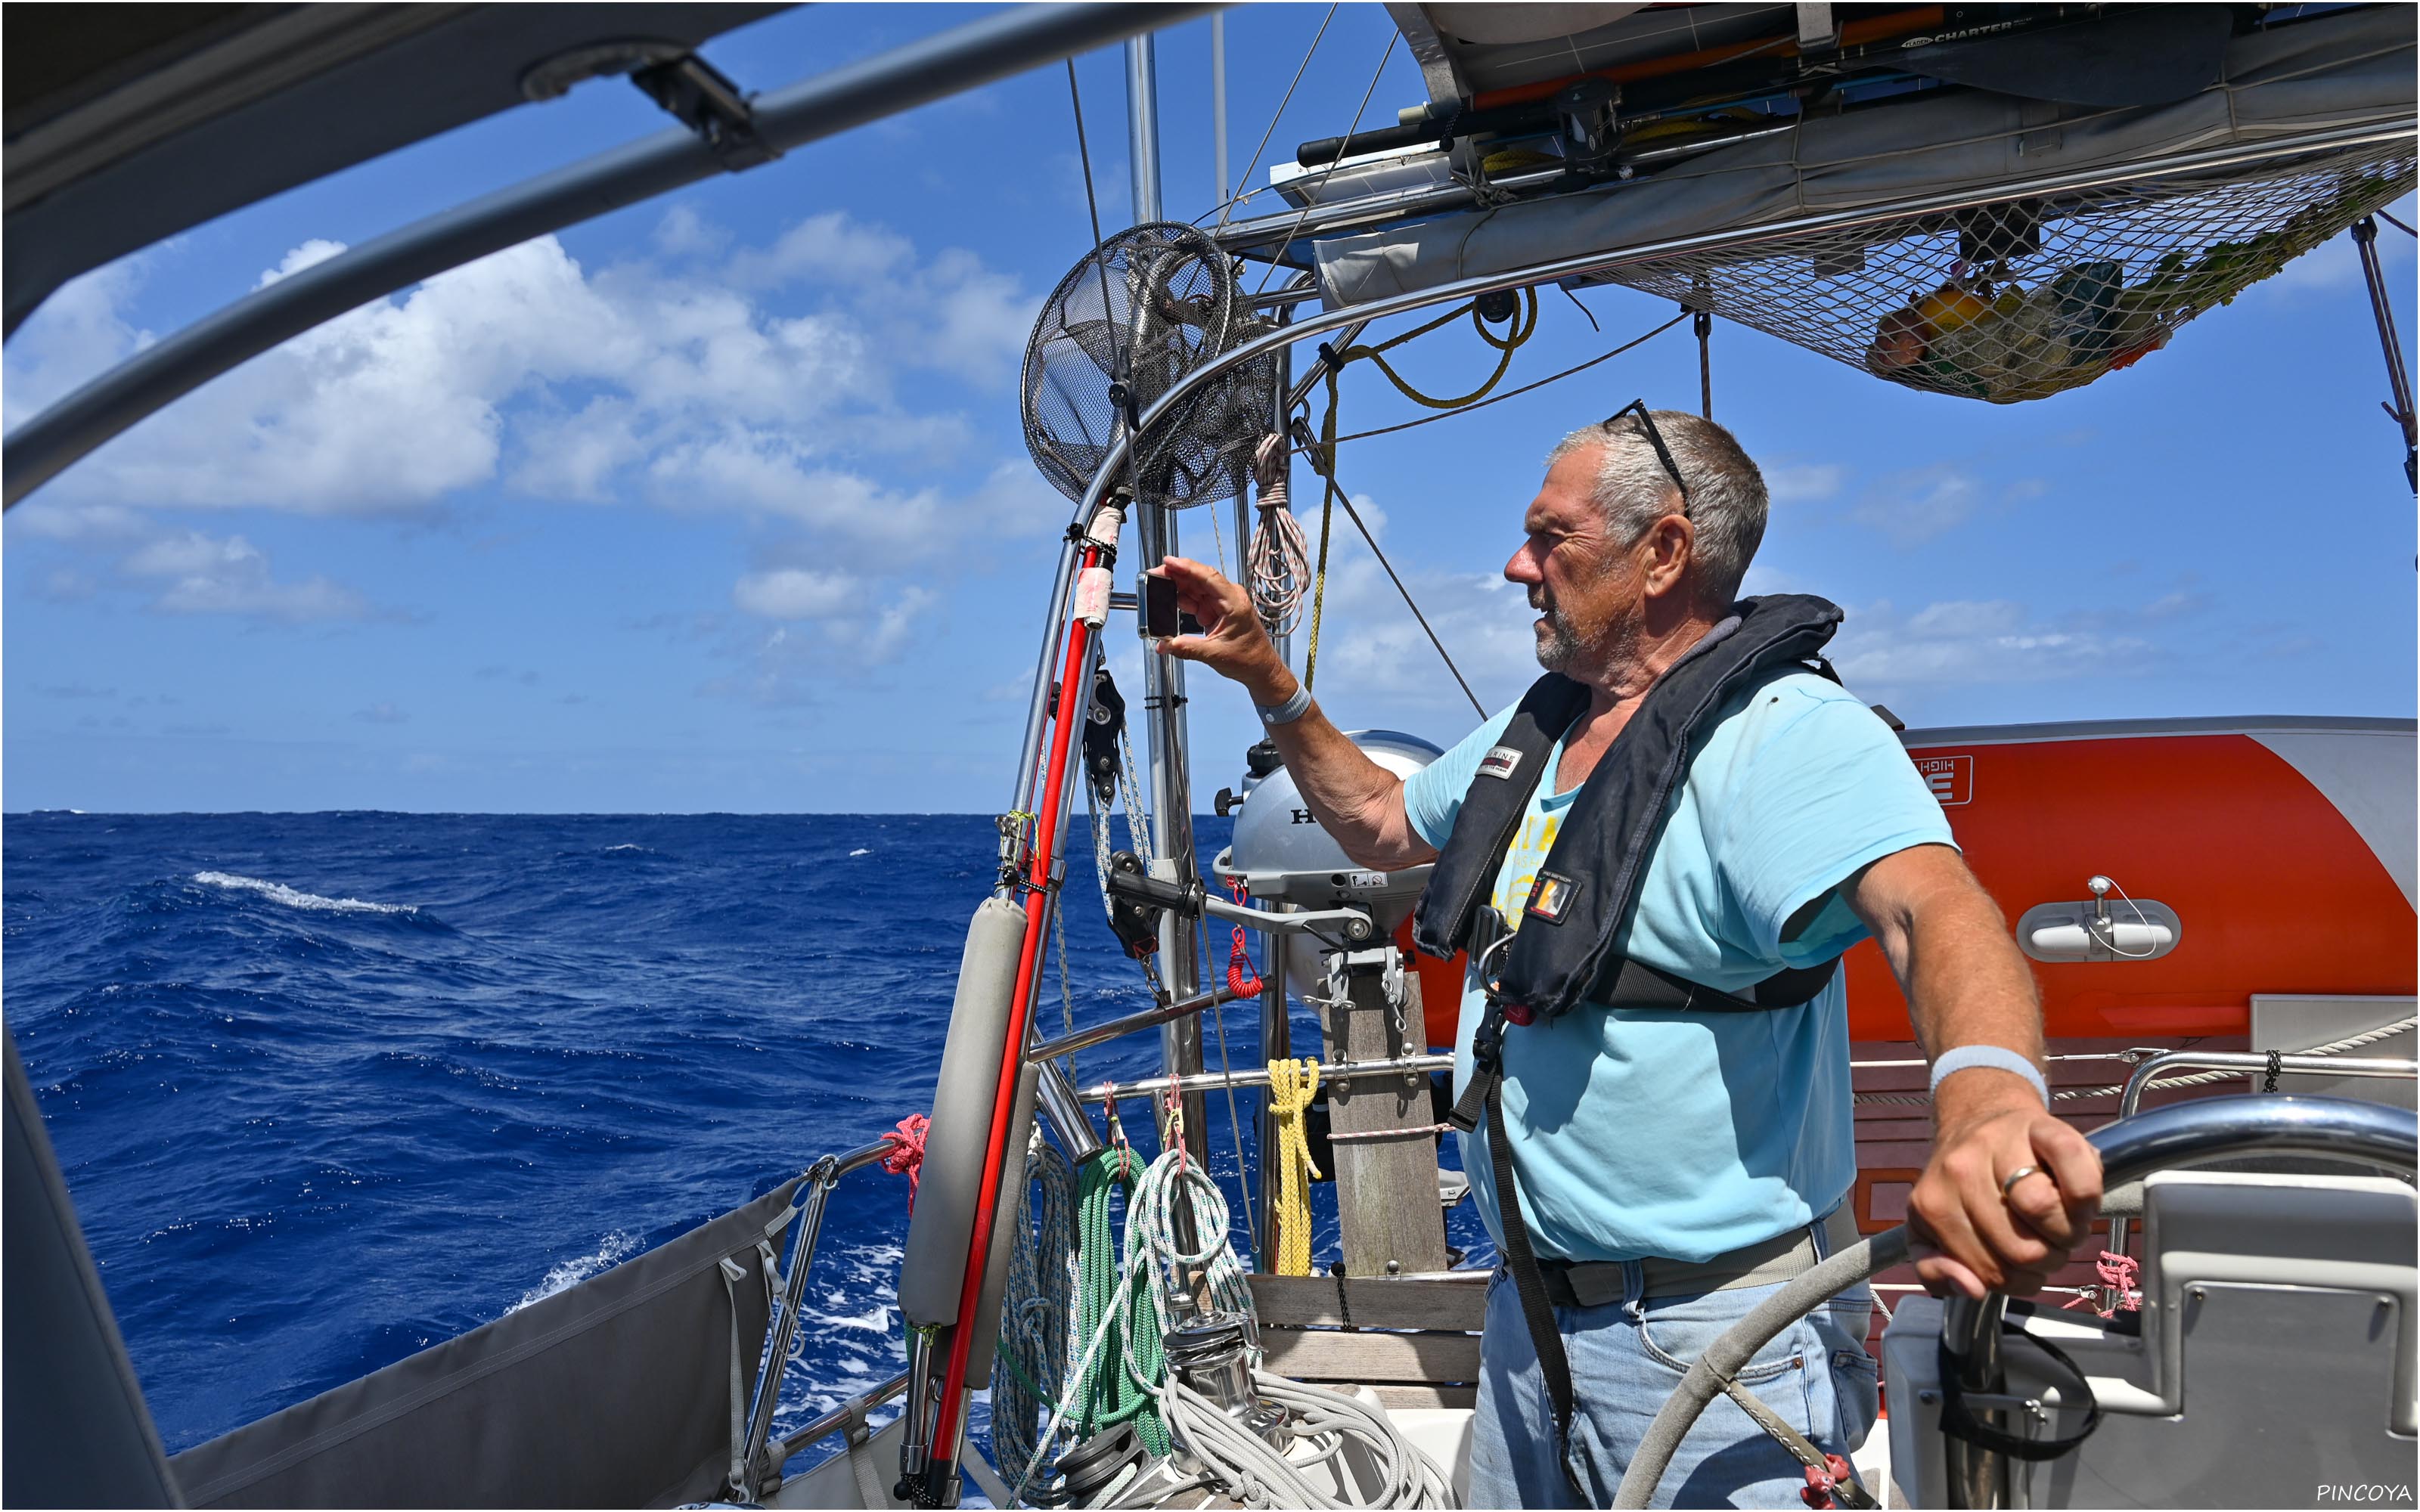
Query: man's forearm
pixel 1966 981
pixel 1353 798
pixel 1967 984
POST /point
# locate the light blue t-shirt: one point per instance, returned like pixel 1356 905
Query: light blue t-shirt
pixel 1685 1136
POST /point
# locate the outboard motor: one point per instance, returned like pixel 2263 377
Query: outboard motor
pixel 1282 855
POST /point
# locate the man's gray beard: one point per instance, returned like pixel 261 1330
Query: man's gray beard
pixel 1558 650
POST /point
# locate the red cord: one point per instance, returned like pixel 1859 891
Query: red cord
pixel 907 1157
pixel 1241 978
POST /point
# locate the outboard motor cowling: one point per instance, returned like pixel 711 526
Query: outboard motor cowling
pixel 1282 855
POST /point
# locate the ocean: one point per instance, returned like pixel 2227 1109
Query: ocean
pixel 331 1087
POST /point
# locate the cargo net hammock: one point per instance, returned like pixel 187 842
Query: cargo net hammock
pixel 2028 298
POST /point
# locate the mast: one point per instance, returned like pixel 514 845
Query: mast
pixel 1163 678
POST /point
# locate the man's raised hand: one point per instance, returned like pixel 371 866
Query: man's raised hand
pixel 1233 643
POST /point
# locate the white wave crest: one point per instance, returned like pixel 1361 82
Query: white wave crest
pixel 861 851
pixel 565 1275
pixel 278 892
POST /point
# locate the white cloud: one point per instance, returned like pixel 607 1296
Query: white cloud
pixel 561 380
pixel 211 575
pixel 1882 653
pixel 1798 483
pixel 1920 503
pixel 794 594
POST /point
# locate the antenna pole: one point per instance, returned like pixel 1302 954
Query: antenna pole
pixel 1143 126
pixel 1219 102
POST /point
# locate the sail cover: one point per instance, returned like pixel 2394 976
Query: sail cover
pixel 2348 69
pixel 617 1392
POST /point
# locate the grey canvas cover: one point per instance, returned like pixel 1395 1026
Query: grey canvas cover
pixel 2347 70
pixel 614 1393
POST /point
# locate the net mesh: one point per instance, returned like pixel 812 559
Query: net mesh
pixel 1169 303
pixel 2029 297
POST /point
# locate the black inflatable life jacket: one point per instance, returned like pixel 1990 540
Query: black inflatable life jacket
pixel 1563 954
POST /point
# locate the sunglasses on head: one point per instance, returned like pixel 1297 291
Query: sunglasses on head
pixel 1655 439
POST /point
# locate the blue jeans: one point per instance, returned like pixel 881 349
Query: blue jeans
pixel 1626 1356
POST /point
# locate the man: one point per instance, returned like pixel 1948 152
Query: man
pixel 1675 1167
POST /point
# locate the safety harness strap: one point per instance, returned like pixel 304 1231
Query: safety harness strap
pixel 1637 984
pixel 1485 1094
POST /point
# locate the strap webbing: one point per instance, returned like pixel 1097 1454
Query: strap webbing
pixel 731 1271
pixel 1959 1421
pixel 1487 1092
pixel 1637 984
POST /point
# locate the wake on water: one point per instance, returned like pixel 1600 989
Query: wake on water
pixel 278 892
pixel 565 1275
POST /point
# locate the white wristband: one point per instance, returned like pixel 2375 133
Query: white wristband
pixel 1288 712
pixel 1968 1057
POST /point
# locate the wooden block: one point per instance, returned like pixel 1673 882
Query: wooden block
pixel 1312 1300
pixel 1362 1355
pixel 1385 1188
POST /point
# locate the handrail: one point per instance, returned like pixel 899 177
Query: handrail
pixel 1149 1018
pixel 819 1179
pixel 1211 1081
pixel 839 100
pixel 846 1414
pixel 2253 1061
pixel 1584 264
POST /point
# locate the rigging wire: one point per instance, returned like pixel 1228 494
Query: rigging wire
pixel 1311 191
pixel 2397 224
pixel 1355 516
pixel 1228 206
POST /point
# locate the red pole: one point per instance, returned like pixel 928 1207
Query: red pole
pixel 1071 700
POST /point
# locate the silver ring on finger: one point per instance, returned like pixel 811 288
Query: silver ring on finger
pixel 2009 1184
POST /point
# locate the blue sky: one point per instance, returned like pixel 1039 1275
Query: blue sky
pixel 719 502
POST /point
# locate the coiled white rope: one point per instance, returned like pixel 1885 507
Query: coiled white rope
pixel 1256 1474
pixel 1236 1462
pixel 1276 564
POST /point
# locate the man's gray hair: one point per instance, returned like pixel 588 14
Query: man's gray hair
pixel 1727 496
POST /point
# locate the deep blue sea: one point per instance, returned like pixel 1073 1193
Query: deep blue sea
pixel 332 1087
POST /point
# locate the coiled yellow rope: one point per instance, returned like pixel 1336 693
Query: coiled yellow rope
pixel 1292 1086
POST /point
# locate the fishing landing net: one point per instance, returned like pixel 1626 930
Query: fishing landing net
pixel 1157 303
pixel 2029 297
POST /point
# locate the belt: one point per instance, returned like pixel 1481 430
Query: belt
pixel 1768 1262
